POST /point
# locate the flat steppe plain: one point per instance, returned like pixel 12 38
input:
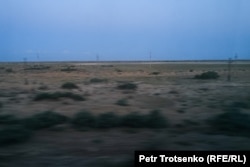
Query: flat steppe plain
pixel 169 87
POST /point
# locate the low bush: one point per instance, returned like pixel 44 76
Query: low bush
pixel 97 80
pixel 107 65
pixel 231 122
pixel 155 73
pixel 173 92
pixel 9 70
pixel 118 70
pixel 44 120
pixel 68 69
pixel 108 120
pixel 69 85
pixel 122 102
pixel 156 120
pixel 127 86
pixel 204 89
pixel 57 95
pixel 83 119
pixel 37 67
pixel 14 134
pixel 134 120
pixel 207 75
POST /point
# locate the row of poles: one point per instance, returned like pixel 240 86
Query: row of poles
pixel 229 67
pixel 230 61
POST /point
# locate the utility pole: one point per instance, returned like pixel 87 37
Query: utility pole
pixel 235 56
pixel 24 61
pixel 229 69
pixel 150 57
pixel 25 74
pixel 235 62
pixel 97 63
pixel 37 56
pixel 97 58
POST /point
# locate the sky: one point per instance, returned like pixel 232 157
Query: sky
pixel 82 30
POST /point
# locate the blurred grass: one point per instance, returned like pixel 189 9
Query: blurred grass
pixel 8 119
pixel 85 119
pixel 14 134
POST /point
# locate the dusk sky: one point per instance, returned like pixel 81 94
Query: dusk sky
pixel 62 30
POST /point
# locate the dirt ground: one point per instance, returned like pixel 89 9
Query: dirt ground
pixel 168 87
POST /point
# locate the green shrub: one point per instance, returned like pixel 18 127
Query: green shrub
pixel 8 119
pixel 134 120
pixel 68 69
pixel 9 70
pixel 181 111
pixel 83 120
pixel 69 85
pixel 207 75
pixel 14 134
pixel 231 122
pixel 127 86
pixel 156 120
pixel 173 92
pixel 122 102
pixel 118 70
pixel 44 120
pixel 37 67
pixel 155 73
pixel 46 96
pixel 108 120
pixel 57 95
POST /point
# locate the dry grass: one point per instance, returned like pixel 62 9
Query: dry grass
pixel 185 102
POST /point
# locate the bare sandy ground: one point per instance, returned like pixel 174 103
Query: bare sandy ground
pixel 185 102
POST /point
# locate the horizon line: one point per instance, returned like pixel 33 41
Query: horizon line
pixel 122 61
